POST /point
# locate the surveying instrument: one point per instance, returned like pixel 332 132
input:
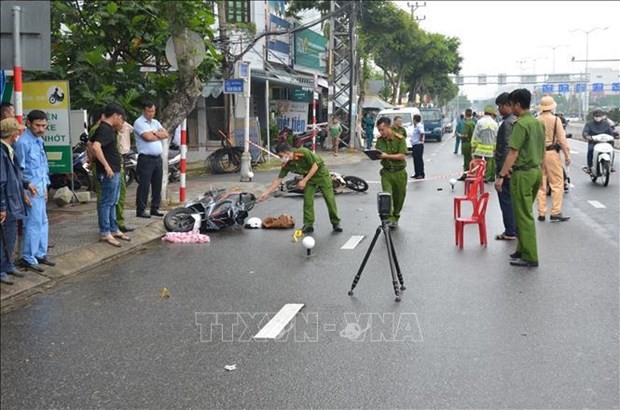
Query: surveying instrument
pixel 384 205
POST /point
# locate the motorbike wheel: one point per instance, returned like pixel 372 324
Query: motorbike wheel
pixel 130 176
pixel 605 172
pixel 179 220
pixel 52 99
pixel 356 184
pixel 84 181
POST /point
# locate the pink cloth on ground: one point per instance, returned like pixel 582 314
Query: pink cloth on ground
pixel 185 237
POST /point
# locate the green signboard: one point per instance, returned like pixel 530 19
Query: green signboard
pixel 299 95
pixel 309 47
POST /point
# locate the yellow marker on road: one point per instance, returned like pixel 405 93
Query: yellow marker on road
pixel 297 235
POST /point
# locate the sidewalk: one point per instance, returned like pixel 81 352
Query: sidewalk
pixel 74 239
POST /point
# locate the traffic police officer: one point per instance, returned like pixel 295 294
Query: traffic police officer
pixel 393 147
pixel 304 162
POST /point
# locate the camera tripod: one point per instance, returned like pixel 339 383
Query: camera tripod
pixel 397 276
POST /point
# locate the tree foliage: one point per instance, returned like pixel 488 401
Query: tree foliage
pixel 409 57
pixel 104 47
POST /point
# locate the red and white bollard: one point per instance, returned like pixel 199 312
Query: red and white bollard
pixel 183 165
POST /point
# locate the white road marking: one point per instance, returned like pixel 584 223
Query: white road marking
pixel 571 185
pixel 353 242
pixel 277 323
pixel 574 152
pixel 596 204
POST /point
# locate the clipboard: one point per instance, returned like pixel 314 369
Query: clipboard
pixel 373 154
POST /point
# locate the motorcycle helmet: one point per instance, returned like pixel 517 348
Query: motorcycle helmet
pixel 253 223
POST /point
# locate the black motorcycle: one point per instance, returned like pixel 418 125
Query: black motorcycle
pixel 213 211
pixel 81 171
pixel 341 183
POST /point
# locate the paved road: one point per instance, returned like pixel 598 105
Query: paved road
pixel 471 331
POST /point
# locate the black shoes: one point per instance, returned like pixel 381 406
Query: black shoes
pixel 156 213
pixel 143 215
pixel 524 263
pixel 27 265
pixel 559 218
pixel 125 229
pixel 419 177
pixel 393 225
pixel 462 178
pixel 337 227
pixel 541 218
pixel 45 261
pixel 516 255
pixel 307 229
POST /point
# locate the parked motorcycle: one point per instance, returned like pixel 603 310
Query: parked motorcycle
pixel 339 182
pixel 602 159
pixel 81 170
pixel 174 165
pixel 213 211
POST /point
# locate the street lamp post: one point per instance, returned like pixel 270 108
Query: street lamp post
pixel 553 54
pixel 586 100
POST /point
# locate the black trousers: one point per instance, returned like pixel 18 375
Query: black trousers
pixel 418 161
pixel 149 170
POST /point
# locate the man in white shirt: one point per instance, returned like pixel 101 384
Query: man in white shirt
pixel 417 146
pixel 149 133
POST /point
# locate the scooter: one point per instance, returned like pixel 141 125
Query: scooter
pixel 213 211
pixel 602 158
pixel 339 182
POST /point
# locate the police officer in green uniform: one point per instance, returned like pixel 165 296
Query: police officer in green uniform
pixel 527 150
pixel 394 173
pixel 468 132
pixel 304 162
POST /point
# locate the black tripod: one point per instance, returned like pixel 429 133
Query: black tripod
pixel 385 228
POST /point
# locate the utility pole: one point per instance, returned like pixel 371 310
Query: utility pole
pixel 553 54
pixel 586 100
pixel 414 7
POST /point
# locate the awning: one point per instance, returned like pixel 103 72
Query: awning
pixel 374 101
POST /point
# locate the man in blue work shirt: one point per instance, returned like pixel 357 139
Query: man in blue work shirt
pixel 32 158
pixel 149 133
pixel 460 128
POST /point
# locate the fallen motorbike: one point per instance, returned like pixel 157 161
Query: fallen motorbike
pixel 130 163
pixel 602 159
pixel 339 182
pixel 213 211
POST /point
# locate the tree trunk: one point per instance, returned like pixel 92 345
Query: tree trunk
pixel 226 68
pixel 183 102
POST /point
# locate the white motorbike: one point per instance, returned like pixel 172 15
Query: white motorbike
pixel 602 159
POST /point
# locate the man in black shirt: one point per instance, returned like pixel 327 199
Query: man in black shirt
pixel 108 164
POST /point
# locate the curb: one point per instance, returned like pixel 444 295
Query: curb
pixel 88 257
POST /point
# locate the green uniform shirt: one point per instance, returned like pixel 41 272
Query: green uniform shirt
pixel 468 130
pixel 400 130
pixel 392 146
pixel 528 137
pixel 301 164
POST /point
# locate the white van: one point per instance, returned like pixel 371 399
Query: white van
pixel 406 113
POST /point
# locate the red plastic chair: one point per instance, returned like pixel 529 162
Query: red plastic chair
pixel 477 169
pixel 476 186
pixel 478 217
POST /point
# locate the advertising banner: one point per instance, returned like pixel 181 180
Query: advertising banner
pixel 293 115
pixel 52 97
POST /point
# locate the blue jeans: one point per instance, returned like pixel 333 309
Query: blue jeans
pixel 369 140
pixel 505 204
pixel 106 209
pixel 457 143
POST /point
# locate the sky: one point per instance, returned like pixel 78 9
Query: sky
pixel 515 37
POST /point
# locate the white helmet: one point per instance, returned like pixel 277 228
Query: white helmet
pixel 253 223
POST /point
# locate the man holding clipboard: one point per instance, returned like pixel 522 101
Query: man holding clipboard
pixel 392 150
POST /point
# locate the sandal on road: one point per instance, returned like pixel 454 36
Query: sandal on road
pixel 110 240
pixel 122 236
pixel 504 237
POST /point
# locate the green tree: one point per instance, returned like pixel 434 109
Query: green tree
pixel 115 51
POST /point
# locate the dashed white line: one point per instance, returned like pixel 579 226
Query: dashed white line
pixel 277 323
pixel 353 242
pixel 596 204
